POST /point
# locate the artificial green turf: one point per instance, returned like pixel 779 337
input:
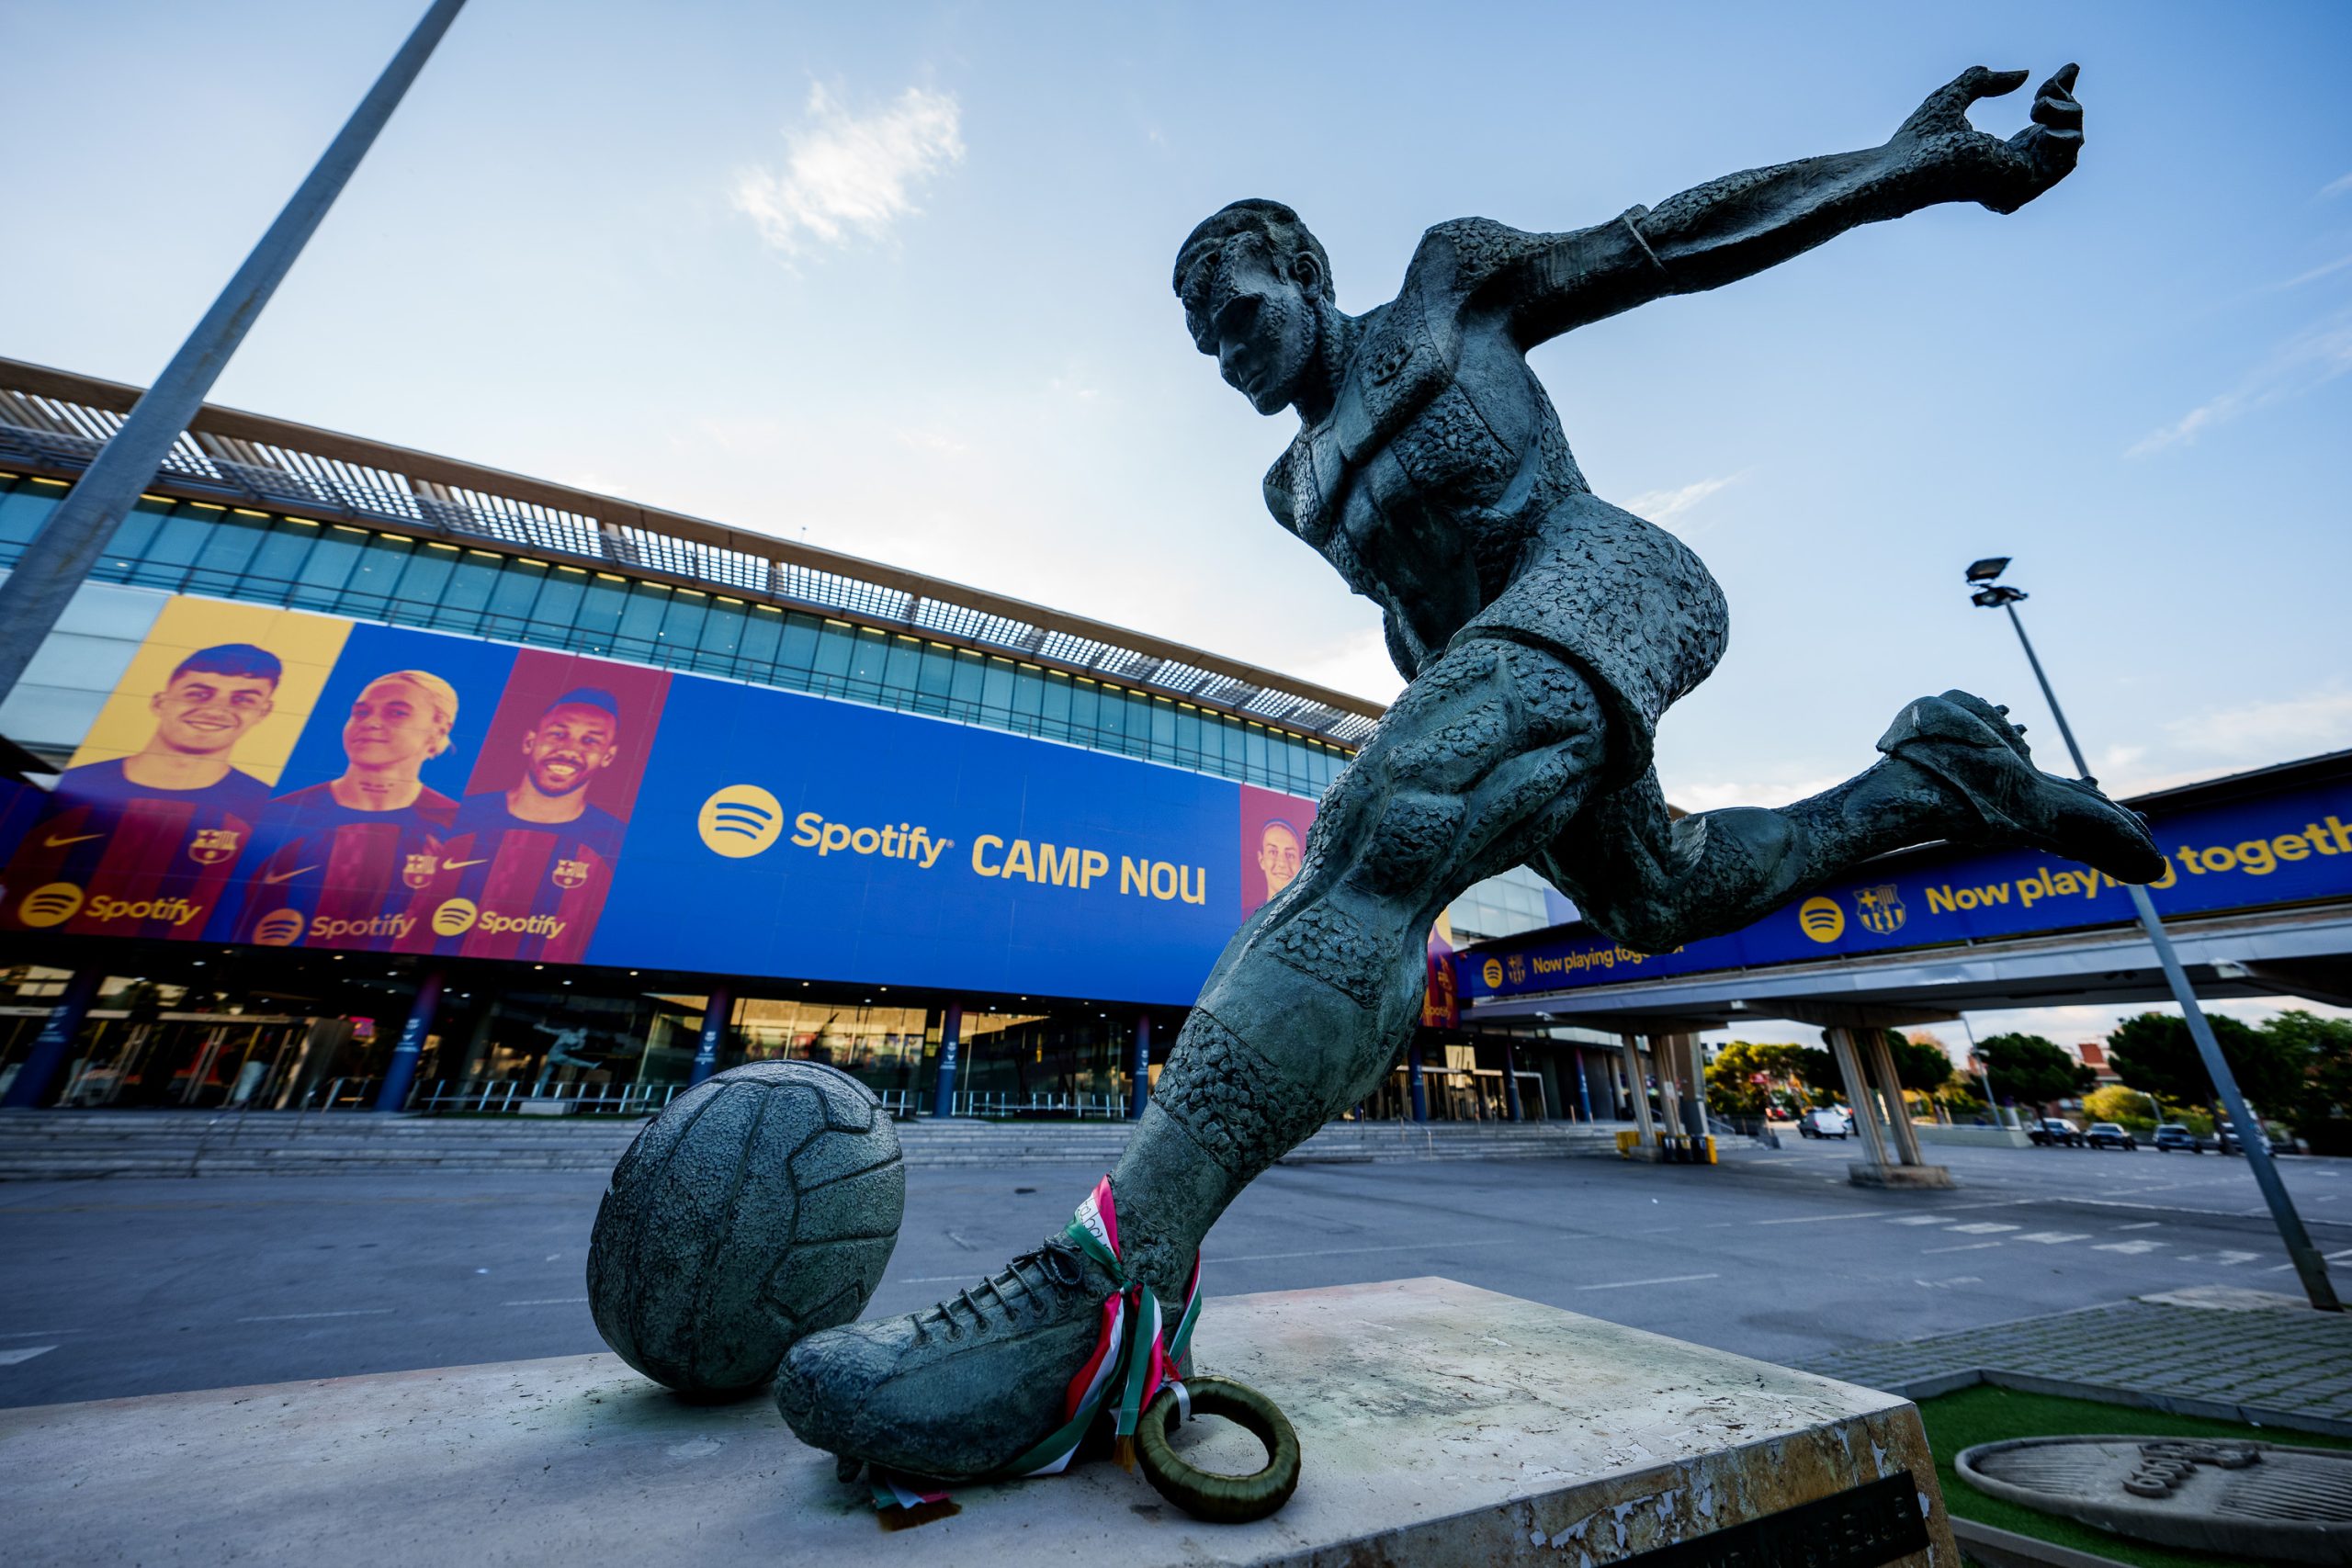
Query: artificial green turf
pixel 1986 1414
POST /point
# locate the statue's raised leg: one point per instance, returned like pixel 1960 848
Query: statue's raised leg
pixel 1954 768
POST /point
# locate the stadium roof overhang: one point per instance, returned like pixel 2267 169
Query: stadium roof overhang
pixel 53 421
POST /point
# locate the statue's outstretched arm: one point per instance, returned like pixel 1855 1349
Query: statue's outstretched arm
pixel 1746 222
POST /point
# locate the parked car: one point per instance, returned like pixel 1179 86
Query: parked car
pixel 2173 1135
pixel 2109 1135
pixel 2230 1144
pixel 2056 1132
pixel 1829 1122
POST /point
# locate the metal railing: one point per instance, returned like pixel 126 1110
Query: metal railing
pixel 1008 1107
pixel 509 1097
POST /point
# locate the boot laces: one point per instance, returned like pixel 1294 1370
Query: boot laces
pixel 1058 1267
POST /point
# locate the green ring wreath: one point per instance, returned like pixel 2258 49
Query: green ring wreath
pixel 1220 1500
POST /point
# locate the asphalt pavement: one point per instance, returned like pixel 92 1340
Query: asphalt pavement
pixel 119 1287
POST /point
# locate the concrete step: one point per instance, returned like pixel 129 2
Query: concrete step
pixel 87 1144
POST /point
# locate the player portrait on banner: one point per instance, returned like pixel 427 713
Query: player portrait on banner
pixel 538 835
pixel 355 861
pixel 142 833
pixel 1273 842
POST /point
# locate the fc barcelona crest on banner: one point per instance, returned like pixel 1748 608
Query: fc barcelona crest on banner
pixel 1880 909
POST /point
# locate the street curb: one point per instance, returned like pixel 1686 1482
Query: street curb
pixel 1997 1548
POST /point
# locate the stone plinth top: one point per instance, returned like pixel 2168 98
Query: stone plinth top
pixel 1439 1423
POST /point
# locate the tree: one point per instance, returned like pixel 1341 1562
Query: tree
pixel 1733 1078
pixel 2030 1070
pixel 1817 1070
pixel 2322 1113
pixel 1920 1065
pixel 2116 1103
pixel 2154 1051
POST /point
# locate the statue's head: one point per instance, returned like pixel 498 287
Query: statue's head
pixel 1255 283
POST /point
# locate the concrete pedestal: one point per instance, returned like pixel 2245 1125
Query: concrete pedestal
pixel 1440 1424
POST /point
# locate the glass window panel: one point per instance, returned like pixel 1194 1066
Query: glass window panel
pixel 131 538
pixel 722 634
pixel 872 652
pixel 318 584
pixel 1253 753
pixel 640 624
pixel 417 598
pixel 1085 710
pixel 682 625
pixel 996 686
pixel 1028 691
pixel 382 557
pixel 472 582
pixel 509 611
pixel 1138 742
pixel 937 678
pixel 1187 735
pixel 1057 710
pixel 559 604
pixel 971 674
pixel 235 537
pixel 836 645
pixel 762 631
pixel 171 548
pixel 277 563
pixel 1163 727
pixel 601 605
pixel 24 507
pixel 901 667
pixel 802 636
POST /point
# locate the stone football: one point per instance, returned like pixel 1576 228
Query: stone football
pixel 758 1207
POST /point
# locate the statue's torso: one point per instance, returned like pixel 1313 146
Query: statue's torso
pixel 1441 487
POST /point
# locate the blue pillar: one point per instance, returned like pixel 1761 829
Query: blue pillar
pixel 1413 1078
pixel 1139 1084
pixel 401 1071
pixel 1511 1106
pixel 54 1042
pixel 1583 1089
pixel 718 1012
pixel 950 1024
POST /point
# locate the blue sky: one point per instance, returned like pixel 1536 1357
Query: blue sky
pixel 894 279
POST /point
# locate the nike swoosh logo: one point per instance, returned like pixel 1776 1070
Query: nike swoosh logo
pixel 272 881
pixel 461 864
pixel 56 843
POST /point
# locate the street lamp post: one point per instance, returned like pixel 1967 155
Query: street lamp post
pixel 2309 1266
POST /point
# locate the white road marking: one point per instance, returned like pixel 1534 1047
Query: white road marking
pixel 2141 1225
pixel 1918 1220
pixel 2133 1248
pixel 1970 1247
pixel 548 1301
pixel 2050 1238
pixel 1947 1284
pixel 1982 1227
pixel 24 1353
pixel 1667 1280
pixel 2232 1259
pixel 290 1317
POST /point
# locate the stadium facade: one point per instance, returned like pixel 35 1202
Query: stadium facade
pixel 355 771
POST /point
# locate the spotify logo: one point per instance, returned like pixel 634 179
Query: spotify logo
pixel 49 905
pixel 455 917
pixel 280 928
pixel 1822 918
pixel 1492 973
pixel 740 821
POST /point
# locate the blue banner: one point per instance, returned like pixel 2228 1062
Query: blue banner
pixel 2288 848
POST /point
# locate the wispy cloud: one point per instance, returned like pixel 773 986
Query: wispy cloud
pixel 1716 793
pixel 1663 506
pixel 847 176
pixel 2338 265
pixel 2310 359
pixel 2337 186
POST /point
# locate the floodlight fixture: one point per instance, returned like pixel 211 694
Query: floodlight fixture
pixel 1988 568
